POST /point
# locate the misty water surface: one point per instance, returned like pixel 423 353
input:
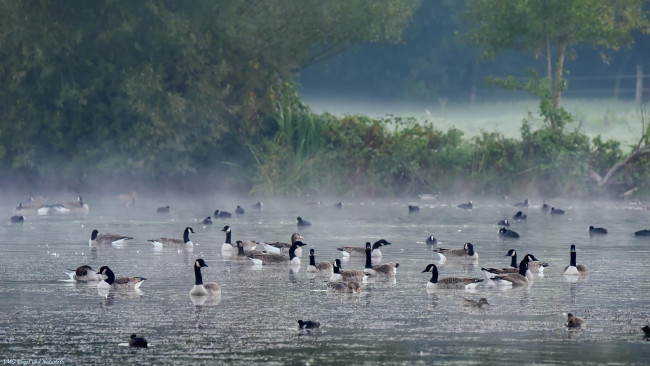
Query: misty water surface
pixel 46 317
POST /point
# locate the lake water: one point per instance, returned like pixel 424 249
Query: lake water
pixel 46 318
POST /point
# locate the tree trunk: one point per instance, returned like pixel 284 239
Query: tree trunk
pixel 639 83
pixel 549 70
pixel 559 70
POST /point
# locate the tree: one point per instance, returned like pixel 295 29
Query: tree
pixel 544 27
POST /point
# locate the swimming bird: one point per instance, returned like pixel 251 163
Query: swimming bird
pixel 239 210
pixel 522 278
pixel 508 234
pixel 258 206
pixel 17 219
pixel 163 209
pixel 597 231
pixel 320 267
pixel 137 342
pixel 414 208
pixel 556 211
pixel 535 265
pixel 222 214
pixel 449 282
pixel 646 330
pixel 160 242
pixel 78 206
pixel 38 209
pixel 522 204
pixel 573 268
pixel 227 245
pixel 347 287
pixel 338 205
pixel 431 240
pixel 207 221
pixel 466 206
pixel 98 239
pixel 269 258
pixel 575 321
pixel 283 248
pixel 119 283
pixel 245 253
pixel 519 216
pixel 84 273
pixel 503 222
pixel 200 288
pixel 545 207
pixel 308 324
pixel 302 223
pixel 466 252
pixel 645 232
pixel 381 270
pixel 346 276
pixel 361 250
pixel 491 272
pixel 475 304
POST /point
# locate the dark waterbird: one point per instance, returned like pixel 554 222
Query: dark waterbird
pixel 164 209
pixel 308 324
pixel 431 240
pixel 338 205
pixel 302 223
pixel 646 330
pixel 258 206
pixel 222 214
pixel 137 342
pixel 545 207
pixel 519 216
pixel 18 219
pixel 239 210
pixel 597 230
pixel 207 221
pixel 556 211
pixel 522 204
pixel 508 234
pixel 466 206
pixel 645 232
pixel 575 322
pixel 503 222
pixel 414 208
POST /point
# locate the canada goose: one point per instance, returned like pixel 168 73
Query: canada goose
pixel 522 204
pixel 227 245
pixel 346 276
pixel 269 258
pixel 78 206
pixel 163 209
pixel 283 248
pixel 491 272
pixel 467 252
pixel 38 209
pixel 302 223
pixel 508 234
pixel 519 216
pixel 99 239
pixel 245 253
pixel 431 240
pixel 545 207
pixel 361 251
pixel 645 232
pixel 573 268
pixel 381 270
pixel 258 206
pixel 222 214
pixel 414 208
pixel 597 231
pixel 449 282
pixel 347 287
pixel 17 219
pixel 522 278
pixel 556 211
pixel 207 221
pixel 137 342
pixel 466 206
pixel 475 304
pixel 119 283
pixel 503 222
pixel 318 267
pixel 535 265
pixel 308 324
pixel 84 273
pixel 575 321
pixel 160 242
pixel 200 288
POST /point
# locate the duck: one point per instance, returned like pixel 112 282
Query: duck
pixel 645 232
pixel 431 240
pixel 269 258
pixel 573 268
pixel 556 211
pixel 320 267
pixel 164 209
pixel 137 342
pixel 347 287
pixel 452 283
pixel 545 207
pixel 414 208
pixel 239 210
pixel 222 214
pixel 491 272
pixel 200 288
pixel 308 324
pixel 522 278
pixel 84 273
pixel 475 304
pixel 467 252
pixel 78 206
pixel 361 251
pixel 522 204
pixel 163 242
pixel 17 219
pixel 597 230
pixel 519 216
pixel 380 270
pixel 283 248
pixel 535 265
pixel 503 222
pixel 508 234
pixel 258 205
pixel 302 223
pixel 575 322
pixel 98 239
pixel 227 245
pixel 207 221
pixel 466 206
pixel 346 276
pixel 119 283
